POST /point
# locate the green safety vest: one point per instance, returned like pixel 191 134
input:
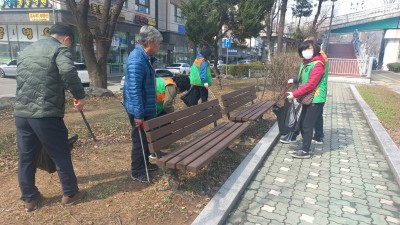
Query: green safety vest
pixel 322 88
pixel 161 83
pixel 195 73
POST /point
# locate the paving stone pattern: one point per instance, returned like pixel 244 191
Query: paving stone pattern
pixel 347 181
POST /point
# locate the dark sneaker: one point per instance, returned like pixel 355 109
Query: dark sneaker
pixel 152 167
pixel 142 178
pixel 287 139
pixel 317 141
pixel 70 200
pixel 33 204
pixel 300 154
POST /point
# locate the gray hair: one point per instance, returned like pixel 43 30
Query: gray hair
pixel 149 34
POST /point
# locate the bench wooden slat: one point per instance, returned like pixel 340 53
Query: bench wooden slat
pixel 156 145
pixel 212 153
pixel 253 112
pixel 231 106
pixel 262 109
pixel 182 123
pixel 206 144
pixel 249 110
pixel 195 150
pixel 162 120
pixel 234 94
pixel 163 161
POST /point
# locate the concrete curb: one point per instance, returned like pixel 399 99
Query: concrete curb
pixel 219 207
pixel 385 142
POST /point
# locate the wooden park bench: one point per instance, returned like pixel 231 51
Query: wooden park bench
pixel 238 99
pixel 194 155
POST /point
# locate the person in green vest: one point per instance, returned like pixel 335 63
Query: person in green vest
pixel 200 75
pixel 312 77
pixel 166 91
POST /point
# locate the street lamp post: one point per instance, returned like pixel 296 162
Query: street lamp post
pixel 330 26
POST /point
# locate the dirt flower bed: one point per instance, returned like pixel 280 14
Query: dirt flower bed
pixel 103 170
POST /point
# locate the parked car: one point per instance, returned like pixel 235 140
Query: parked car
pixel 9 69
pixel 83 74
pixel 184 68
pixel 246 61
pixel 219 65
pixel 159 73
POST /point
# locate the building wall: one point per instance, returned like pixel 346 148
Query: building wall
pixel 392 47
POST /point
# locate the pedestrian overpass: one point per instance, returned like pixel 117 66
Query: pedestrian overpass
pixel 385 18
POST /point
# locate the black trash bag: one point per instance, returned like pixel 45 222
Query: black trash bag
pixel 287 116
pixel 44 162
pixel 281 114
pixel 189 98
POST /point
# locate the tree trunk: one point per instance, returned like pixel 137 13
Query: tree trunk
pixel 217 75
pixel 314 25
pixel 101 30
pixel 281 27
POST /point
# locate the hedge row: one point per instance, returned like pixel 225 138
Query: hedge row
pixel 242 69
pixel 395 67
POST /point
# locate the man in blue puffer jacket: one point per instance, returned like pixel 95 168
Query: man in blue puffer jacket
pixel 140 96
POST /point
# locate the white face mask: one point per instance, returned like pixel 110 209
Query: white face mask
pixel 307 54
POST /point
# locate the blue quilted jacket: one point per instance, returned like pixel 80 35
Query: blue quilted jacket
pixel 139 86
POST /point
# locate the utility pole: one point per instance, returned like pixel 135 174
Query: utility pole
pixel 330 27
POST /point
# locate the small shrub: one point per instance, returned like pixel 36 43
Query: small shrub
pixel 281 68
pixel 395 67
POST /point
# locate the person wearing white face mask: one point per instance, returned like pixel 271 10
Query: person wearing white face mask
pixel 311 80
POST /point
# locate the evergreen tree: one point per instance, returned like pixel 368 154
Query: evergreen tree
pixel 303 8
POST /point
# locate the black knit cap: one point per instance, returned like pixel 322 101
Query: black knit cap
pixel 62 29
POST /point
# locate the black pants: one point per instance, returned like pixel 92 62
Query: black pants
pixel 137 159
pixel 200 92
pixel 53 135
pixel 319 125
pixel 308 118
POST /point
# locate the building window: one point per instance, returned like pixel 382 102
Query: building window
pixel 178 15
pixel 142 6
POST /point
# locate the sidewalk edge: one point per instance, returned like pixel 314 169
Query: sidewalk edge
pixel 219 207
pixel 385 142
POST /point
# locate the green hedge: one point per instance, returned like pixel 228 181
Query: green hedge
pixel 242 69
pixel 395 67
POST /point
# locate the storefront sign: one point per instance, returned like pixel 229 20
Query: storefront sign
pixel 39 17
pixel 20 4
pixel 181 29
pixel 23 33
pixel 27 33
pixel 151 22
pixel 139 19
pixel 2 33
pixel 12 32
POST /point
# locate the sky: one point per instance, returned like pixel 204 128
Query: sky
pixel 343 7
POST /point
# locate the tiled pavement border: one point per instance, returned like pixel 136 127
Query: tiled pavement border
pixel 225 199
pixel 386 144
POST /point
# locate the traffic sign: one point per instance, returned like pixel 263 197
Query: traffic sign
pixel 226 42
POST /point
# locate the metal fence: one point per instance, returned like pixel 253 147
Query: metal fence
pixel 349 67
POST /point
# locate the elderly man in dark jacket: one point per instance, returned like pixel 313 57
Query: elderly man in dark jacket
pixel 140 97
pixel 44 70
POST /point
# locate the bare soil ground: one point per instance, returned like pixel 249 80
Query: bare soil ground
pixel 103 170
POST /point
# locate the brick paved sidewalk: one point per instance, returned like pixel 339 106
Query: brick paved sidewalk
pixel 347 181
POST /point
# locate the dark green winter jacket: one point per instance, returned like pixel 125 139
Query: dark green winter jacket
pixel 44 70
